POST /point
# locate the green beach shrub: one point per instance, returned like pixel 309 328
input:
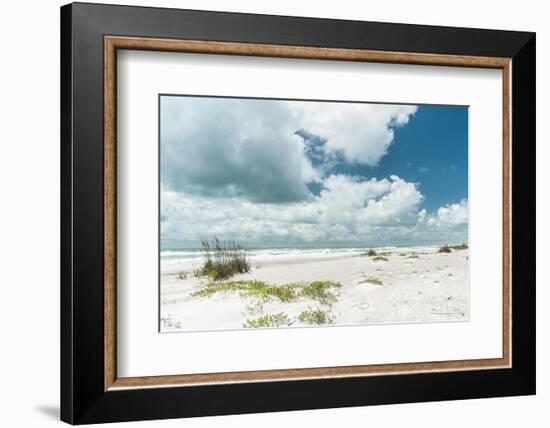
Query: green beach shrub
pixel 223 259
pixel 460 247
pixel 369 253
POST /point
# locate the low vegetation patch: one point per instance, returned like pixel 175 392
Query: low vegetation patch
pixel 322 291
pixel 369 253
pixel 315 317
pixel 373 281
pixel 264 292
pixel 413 256
pixel 270 320
pixel 220 287
pixel 254 308
pixel 448 248
pixel 223 259
pixel 460 247
pixel 380 259
pixel 252 288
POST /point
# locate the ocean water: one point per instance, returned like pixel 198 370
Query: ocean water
pixel 177 260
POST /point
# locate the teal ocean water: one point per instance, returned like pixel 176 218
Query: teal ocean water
pixel 180 259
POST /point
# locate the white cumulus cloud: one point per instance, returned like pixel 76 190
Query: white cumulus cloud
pixel 347 209
pixel 240 169
pixel 249 148
pixel 361 132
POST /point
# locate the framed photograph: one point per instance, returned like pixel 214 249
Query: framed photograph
pixel 265 213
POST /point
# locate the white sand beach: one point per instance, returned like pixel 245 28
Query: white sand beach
pixel 397 286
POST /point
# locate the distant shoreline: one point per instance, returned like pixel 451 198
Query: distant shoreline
pixel 181 260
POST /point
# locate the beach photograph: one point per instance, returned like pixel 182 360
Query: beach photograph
pixel 298 213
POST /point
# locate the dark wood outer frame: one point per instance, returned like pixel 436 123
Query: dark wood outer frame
pixel 86 378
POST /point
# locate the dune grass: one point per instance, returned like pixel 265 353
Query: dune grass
pixel 413 256
pixel 380 259
pixel 223 259
pixel 279 319
pixel 316 317
pixel 372 281
pixel 444 249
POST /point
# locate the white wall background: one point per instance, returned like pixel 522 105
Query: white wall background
pixel 29 214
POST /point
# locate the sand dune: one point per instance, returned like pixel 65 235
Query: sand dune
pixel 409 287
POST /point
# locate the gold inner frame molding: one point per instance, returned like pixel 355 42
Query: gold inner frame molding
pixel 113 43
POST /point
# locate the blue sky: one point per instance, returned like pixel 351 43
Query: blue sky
pixel 304 172
pixel 432 149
